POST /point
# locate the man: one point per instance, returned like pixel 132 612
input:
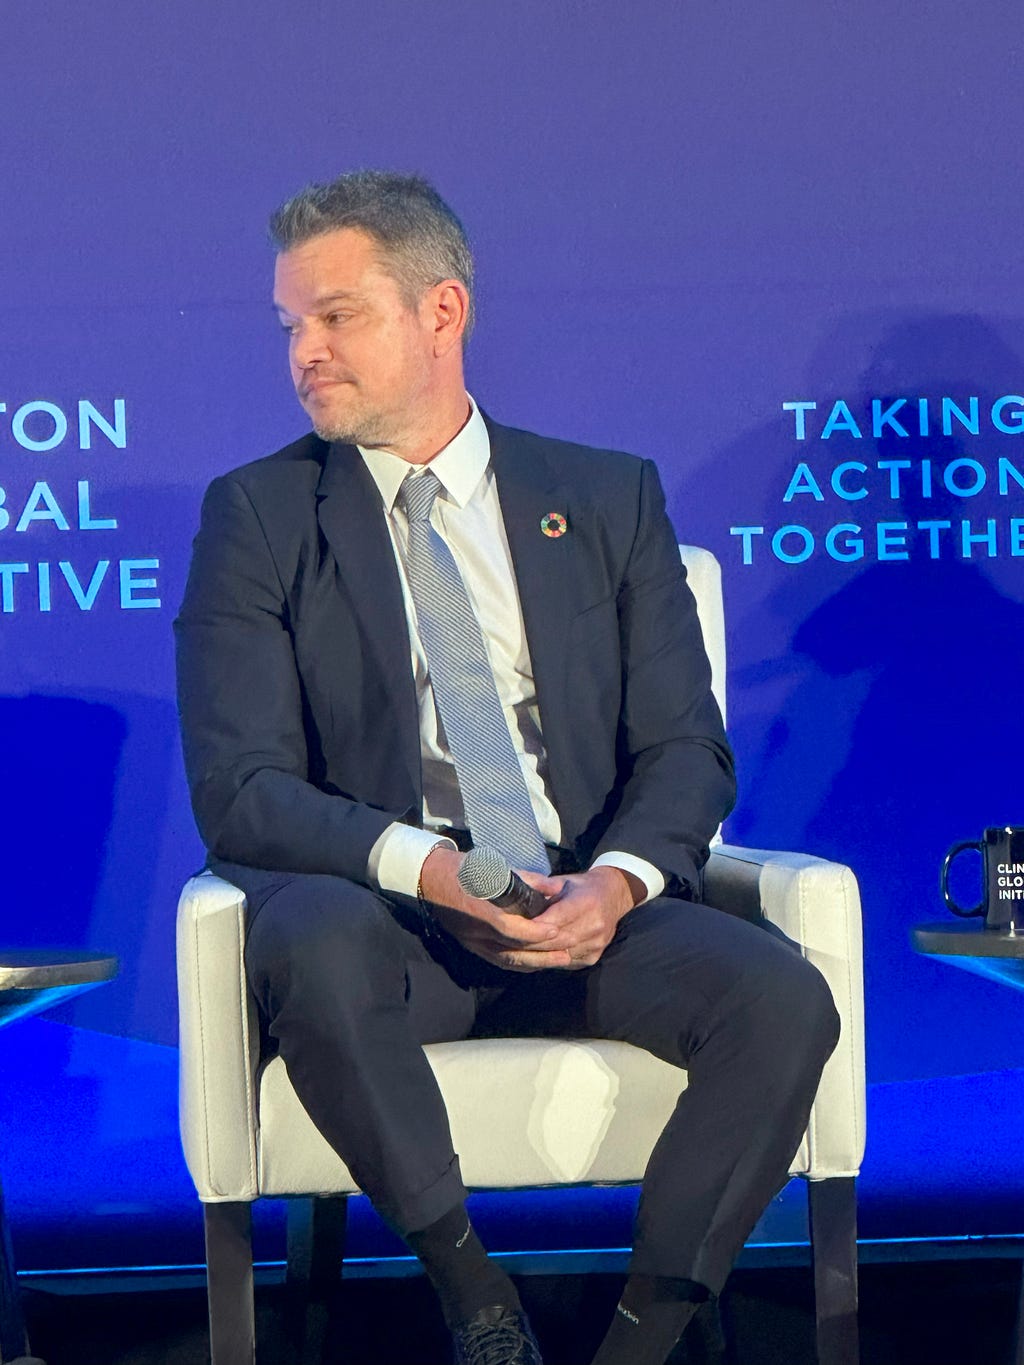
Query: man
pixel 415 631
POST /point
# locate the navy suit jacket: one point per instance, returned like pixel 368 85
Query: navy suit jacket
pixel 295 685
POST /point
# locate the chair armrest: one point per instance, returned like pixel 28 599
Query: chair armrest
pixel 219 1042
pixel 816 904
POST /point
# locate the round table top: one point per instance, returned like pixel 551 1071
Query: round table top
pixel 969 939
pixel 33 969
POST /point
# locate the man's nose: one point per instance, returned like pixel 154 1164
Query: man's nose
pixel 309 347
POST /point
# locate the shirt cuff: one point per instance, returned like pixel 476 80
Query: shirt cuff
pixel 639 867
pixel 396 859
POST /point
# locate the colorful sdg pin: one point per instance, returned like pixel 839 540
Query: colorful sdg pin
pixel 554 524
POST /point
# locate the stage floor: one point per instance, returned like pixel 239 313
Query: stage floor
pixel 927 1313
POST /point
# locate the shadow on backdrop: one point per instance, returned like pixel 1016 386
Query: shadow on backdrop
pixel 63 756
pixel 875 703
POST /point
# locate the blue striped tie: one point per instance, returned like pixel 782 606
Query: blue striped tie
pixel 494 793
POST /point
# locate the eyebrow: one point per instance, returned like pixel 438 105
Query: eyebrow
pixel 342 295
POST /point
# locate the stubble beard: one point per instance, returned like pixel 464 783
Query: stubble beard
pixel 369 429
pixel 345 434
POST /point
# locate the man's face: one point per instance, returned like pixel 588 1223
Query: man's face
pixel 361 359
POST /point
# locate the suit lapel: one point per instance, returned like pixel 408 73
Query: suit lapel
pixel 547 572
pixel 352 519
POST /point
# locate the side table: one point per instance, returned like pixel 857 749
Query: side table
pixel 986 952
pixel 32 981
pixel 998 956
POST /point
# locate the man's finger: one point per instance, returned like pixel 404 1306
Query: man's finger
pixel 487 938
pixel 531 960
pixel 507 943
pixel 547 886
pixel 517 929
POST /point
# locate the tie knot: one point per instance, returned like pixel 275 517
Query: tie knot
pixel 417 494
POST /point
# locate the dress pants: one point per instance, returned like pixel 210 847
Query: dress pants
pixel 350 984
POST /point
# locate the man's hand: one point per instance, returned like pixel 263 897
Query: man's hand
pixel 585 910
pixel 579 923
pixel 510 941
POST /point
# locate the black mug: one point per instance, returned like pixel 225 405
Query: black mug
pixel 1002 871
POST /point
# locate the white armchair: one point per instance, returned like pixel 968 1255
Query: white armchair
pixel 524 1112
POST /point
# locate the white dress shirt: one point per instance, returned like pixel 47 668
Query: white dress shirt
pixel 467 515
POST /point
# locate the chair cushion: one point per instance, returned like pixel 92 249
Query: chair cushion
pixel 524 1112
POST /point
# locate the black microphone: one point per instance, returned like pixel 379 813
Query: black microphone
pixel 485 873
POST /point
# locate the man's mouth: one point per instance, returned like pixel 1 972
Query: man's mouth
pixel 310 387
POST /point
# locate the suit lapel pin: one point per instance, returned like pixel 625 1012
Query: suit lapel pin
pixel 554 524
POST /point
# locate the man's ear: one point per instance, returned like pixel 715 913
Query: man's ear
pixel 448 303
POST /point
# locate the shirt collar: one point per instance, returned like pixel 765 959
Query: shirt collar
pixel 459 467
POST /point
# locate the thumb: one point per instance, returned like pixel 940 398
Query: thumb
pixel 547 886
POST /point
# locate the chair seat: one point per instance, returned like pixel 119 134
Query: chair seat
pixel 524 1112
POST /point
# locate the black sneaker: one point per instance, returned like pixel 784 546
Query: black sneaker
pixel 495 1336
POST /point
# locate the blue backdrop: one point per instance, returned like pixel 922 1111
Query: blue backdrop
pixel 776 248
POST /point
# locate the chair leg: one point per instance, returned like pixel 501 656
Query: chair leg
pixel 316 1249
pixel 229 1283
pixel 833 1218
pixel 13 1341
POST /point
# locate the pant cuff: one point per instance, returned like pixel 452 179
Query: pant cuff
pixel 417 1212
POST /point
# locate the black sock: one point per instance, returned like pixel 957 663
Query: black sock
pixel 650 1318
pixel 465 1278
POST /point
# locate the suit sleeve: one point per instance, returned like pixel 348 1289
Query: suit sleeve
pixel 241 708
pixel 675 766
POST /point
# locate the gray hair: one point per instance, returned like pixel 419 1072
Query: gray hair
pixel 421 240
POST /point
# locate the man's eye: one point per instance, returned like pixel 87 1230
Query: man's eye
pixel 288 328
pixel 332 319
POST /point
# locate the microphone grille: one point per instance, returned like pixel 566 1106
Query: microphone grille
pixel 484 873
